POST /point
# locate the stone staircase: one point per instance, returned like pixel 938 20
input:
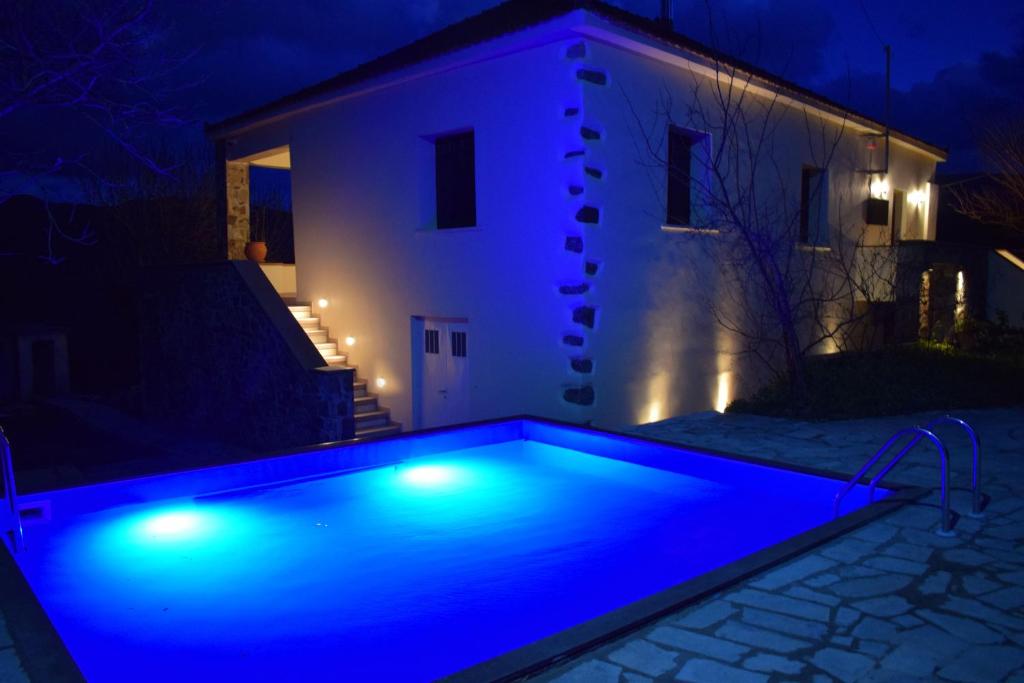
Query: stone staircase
pixel 371 418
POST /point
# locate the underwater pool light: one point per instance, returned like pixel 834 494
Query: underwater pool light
pixel 172 524
pixel 427 475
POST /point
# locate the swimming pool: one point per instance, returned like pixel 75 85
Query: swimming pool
pixel 478 552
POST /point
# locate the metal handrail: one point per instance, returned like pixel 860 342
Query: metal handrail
pixel 978 500
pixel 946 527
pixel 10 492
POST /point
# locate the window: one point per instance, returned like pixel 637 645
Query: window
pixel 814 206
pixel 680 162
pixel 432 341
pixel 459 344
pixel 455 180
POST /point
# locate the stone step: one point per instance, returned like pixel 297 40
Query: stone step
pixel 317 336
pixel 383 430
pixel 339 360
pixel 309 323
pixel 359 388
pixel 365 404
pixel 327 348
pixel 372 418
pixel 301 309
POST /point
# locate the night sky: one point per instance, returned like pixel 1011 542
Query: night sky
pixel 954 61
pixel 956 64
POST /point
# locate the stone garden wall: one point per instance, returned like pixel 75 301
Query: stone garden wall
pixel 223 356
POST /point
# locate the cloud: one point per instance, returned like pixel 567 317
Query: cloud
pixel 949 110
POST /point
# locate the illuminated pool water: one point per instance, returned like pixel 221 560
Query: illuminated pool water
pixel 478 541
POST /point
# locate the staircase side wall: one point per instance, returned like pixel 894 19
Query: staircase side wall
pixel 222 356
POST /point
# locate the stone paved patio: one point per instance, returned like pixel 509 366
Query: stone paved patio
pixel 892 601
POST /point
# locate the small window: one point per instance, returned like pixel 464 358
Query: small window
pixel 680 176
pixel 455 180
pixel 459 344
pixel 432 341
pixel 814 206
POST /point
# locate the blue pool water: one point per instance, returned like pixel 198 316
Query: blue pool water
pixel 404 571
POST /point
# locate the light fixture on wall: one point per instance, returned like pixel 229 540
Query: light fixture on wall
pixel 322 303
pixel 879 188
pixel 381 382
pixel 916 198
pixel 350 341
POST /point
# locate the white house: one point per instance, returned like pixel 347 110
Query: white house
pixel 477 232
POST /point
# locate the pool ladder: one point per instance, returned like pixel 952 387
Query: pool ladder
pixel 15 530
pixel 949 517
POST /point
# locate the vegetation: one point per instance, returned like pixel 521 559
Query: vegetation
pixel 1001 202
pixel 983 368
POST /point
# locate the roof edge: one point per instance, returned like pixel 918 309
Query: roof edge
pixel 515 16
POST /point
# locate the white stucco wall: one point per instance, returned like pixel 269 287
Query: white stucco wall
pixel 679 357
pixel 362 175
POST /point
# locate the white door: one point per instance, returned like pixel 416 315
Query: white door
pixel 445 383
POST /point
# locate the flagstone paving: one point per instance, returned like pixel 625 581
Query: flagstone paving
pixel 891 601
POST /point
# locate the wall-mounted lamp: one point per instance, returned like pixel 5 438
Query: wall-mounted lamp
pixel 381 382
pixel 879 188
pixel 350 341
pixel 916 198
pixel 322 303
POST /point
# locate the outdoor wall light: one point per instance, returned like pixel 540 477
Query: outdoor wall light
pixel 916 198
pixel 880 188
pixel 381 382
pixel 350 341
pixel 322 303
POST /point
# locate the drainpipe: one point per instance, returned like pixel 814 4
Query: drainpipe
pixel 888 101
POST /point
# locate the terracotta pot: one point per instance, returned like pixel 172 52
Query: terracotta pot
pixel 256 251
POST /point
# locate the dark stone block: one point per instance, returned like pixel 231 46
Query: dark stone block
pixel 584 315
pixel 588 214
pixel 589 133
pixel 575 190
pixel 582 365
pixel 574 243
pixel 571 111
pixel 592 76
pixel 578 288
pixel 593 172
pixel 590 267
pixel 572 340
pixel 583 396
pixel 574 153
pixel 576 50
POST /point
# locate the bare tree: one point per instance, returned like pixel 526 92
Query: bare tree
pixel 781 287
pixel 85 65
pixel 1002 202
